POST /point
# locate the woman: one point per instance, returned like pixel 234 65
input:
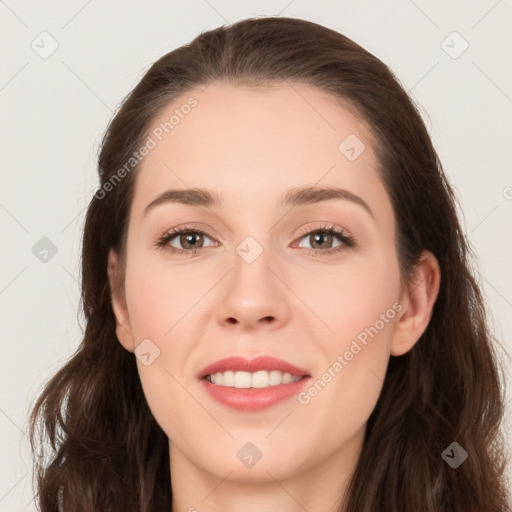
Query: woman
pixel 225 364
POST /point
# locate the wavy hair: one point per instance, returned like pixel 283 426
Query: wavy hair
pixel 101 448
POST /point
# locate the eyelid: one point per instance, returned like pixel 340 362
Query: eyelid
pixel 178 230
pixel 347 240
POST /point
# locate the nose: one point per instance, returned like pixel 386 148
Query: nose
pixel 253 294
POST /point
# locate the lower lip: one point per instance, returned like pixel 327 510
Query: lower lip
pixel 253 399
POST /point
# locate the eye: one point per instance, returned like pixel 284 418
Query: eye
pixel 190 239
pixel 324 237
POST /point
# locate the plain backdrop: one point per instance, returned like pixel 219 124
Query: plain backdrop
pixel 66 65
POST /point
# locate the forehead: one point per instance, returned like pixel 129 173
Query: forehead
pixel 250 144
pixel 256 116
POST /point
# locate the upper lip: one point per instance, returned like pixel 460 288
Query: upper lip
pixel 245 365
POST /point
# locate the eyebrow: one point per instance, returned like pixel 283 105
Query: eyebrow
pixel 294 197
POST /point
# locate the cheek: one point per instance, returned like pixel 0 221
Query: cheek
pixel 361 308
pixel 353 298
pixel 343 395
pixel 157 298
pixel 161 308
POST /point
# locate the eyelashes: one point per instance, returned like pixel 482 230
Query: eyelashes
pixel 186 235
pixel 185 231
pixel 347 240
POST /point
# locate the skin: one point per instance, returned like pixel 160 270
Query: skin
pixel 251 145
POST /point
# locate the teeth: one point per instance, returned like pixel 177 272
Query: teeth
pixel 260 379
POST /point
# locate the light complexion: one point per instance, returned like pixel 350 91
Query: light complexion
pixel 304 299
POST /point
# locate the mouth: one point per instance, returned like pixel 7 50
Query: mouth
pixel 261 372
pixel 260 379
pixel 252 385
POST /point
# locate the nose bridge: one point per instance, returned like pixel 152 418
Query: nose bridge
pixel 252 291
pixel 251 275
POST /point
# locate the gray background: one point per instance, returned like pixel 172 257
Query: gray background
pixel 55 109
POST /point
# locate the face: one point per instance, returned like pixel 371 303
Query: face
pixel 313 282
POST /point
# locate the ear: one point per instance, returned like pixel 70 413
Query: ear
pixel 418 299
pixel 117 293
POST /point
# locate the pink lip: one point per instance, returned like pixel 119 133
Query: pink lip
pixel 252 399
pixel 240 364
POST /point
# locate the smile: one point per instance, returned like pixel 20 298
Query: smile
pixel 259 379
pixel 252 385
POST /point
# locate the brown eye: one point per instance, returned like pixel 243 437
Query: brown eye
pixel 184 240
pixel 190 240
pixel 320 240
pixel 323 240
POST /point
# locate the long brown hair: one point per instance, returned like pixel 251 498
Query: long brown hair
pixel 102 448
